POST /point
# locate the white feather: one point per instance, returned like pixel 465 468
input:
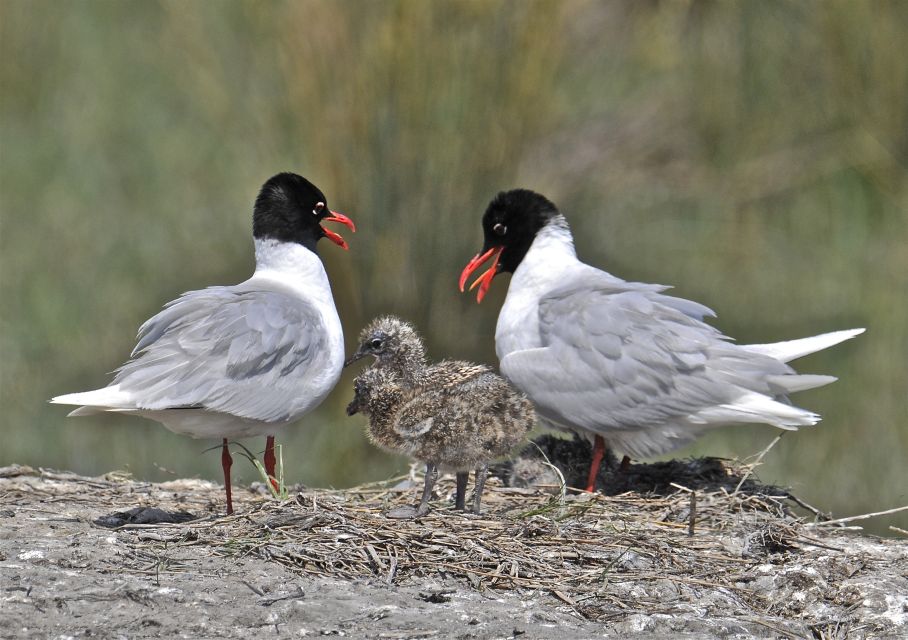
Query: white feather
pixel 757 408
pixel 794 349
pixel 793 383
pixel 97 401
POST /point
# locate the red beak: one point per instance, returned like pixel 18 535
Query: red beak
pixel 485 280
pixel 335 237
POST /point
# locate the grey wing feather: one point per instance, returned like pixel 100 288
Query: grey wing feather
pixel 244 352
pixel 618 355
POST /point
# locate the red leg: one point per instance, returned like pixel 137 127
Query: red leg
pixel 625 464
pixel 598 452
pixel 270 461
pixel 227 462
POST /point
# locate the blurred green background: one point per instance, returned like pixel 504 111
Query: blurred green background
pixel 751 153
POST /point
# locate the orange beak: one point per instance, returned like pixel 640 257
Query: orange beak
pixel 485 280
pixel 336 237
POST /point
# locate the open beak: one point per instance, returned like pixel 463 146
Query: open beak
pixel 485 280
pixel 335 237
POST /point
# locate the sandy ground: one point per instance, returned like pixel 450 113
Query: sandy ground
pixel 65 576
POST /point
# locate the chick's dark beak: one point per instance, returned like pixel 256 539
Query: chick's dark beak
pixel 356 356
pixel 353 408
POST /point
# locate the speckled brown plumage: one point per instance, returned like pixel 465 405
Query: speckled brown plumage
pixel 453 415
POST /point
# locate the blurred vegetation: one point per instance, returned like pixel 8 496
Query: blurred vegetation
pixel 751 153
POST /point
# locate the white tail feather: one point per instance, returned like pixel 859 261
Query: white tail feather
pixel 755 407
pixel 793 349
pixel 793 383
pixel 105 399
pixel 84 411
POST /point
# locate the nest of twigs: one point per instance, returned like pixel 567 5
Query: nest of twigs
pixel 700 536
pixel 686 526
pixel 577 546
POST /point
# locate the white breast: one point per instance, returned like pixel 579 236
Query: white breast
pixel 297 271
pixel 548 264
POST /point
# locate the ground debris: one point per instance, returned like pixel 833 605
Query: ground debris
pixel 143 515
pixel 331 562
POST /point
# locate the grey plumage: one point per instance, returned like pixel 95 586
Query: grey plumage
pixel 453 415
pixel 245 360
pixel 643 367
pixel 224 361
pixel 240 350
pixel 620 360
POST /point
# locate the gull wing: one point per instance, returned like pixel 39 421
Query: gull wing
pixel 244 351
pixel 618 356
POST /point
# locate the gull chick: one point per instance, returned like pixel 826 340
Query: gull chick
pixel 453 415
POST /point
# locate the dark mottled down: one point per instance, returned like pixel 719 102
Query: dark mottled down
pixel 464 417
pixel 454 416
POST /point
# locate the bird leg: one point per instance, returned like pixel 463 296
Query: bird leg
pixel 270 461
pixel 598 452
pixel 625 464
pixel 227 462
pixel 431 477
pixel 480 485
pixel 460 502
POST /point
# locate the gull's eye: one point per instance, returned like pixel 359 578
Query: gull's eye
pixel 319 207
pixel 500 229
pixel 375 343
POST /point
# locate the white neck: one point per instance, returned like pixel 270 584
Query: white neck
pixel 292 265
pixel 294 271
pixel 551 253
pixel 549 259
pixel 271 254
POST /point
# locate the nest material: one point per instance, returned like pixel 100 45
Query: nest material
pixel 686 528
pixel 533 467
pixel 581 548
pixel 699 534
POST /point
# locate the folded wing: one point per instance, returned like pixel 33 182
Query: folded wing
pixel 242 351
pixel 618 356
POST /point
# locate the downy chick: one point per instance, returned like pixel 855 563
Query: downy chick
pixel 453 415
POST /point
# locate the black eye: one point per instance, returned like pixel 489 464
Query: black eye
pixel 500 229
pixel 375 343
pixel 318 208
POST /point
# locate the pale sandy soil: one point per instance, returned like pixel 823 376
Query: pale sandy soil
pixel 331 564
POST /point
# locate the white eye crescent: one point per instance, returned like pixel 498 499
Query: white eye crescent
pixel 500 229
pixel 318 208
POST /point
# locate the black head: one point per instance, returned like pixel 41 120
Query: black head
pixel 509 226
pixel 289 208
pixel 511 221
